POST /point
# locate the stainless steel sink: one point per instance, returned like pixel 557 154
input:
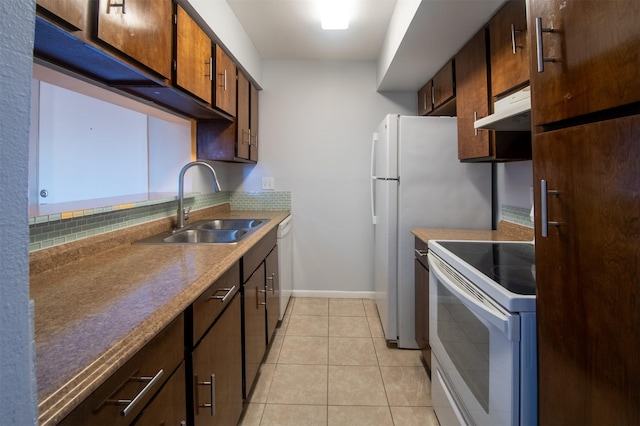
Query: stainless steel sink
pixel 230 223
pixel 209 231
pixel 207 236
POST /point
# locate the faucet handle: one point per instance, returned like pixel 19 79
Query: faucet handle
pixel 186 213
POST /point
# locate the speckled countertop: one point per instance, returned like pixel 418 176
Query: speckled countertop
pixel 506 232
pixel 100 300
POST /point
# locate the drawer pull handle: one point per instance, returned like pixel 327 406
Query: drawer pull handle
pixel 539 46
pixel 544 219
pixel 131 403
pixel 212 384
pixel 272 289
pixel 514 45
pixel 121 4
pixel 420 253
pixel 222 299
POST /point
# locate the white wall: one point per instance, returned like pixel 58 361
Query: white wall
pixel 316 123
pixel 18 399
pixel 512 183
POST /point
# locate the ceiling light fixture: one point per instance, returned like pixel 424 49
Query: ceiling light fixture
pixel 334 14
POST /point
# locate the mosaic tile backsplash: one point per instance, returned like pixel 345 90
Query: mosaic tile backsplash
pixel 517 215
pixel 48 231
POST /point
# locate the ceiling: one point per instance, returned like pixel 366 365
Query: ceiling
pixel 290 29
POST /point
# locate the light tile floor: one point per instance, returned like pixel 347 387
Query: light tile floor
pixel 329 365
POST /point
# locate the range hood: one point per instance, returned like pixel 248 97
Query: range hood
pixel 512 113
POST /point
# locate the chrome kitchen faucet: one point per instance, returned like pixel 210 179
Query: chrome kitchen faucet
pixel 182 214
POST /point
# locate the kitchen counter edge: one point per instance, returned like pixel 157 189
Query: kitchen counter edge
pixel 55 405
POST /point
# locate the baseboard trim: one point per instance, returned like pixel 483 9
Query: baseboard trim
pixel 334 294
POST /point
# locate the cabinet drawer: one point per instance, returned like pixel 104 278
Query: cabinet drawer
pixel 256 255
pixel 138 380
pixel 214 300
pixel 422 249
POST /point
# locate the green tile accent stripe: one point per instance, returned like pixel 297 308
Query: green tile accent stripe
pixel 261 201
pixel 60 228
pixel 517 215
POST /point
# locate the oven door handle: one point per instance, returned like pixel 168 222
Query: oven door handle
pixel 502 320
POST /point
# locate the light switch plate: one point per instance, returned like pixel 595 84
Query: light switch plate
pixel 268 183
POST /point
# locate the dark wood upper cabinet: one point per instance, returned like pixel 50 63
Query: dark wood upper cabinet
pixel 243 137
pixel 588 280
pixel 444 87
pixel 425 98
pixel 595 46
pixel 472 98
pixel 71 12
pixel 509 48
pixel 141 29
pixel 253 119
pixel 194 62
pixel 225 83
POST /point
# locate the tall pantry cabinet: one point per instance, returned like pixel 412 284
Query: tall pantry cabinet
pixel 585 86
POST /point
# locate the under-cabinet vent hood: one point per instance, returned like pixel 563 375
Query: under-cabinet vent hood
pixel 512 113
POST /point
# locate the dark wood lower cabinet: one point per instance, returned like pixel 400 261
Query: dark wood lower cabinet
pixel 168 407
pixel 272 281
pixel 217 370
pixel 255 325
pixel 422 300
pixel 588 273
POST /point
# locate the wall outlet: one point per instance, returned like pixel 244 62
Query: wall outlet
pixel 268 183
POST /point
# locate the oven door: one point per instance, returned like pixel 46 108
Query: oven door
pixel 475 350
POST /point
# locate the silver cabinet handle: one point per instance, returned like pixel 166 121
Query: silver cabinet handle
pixel 544 216
pixel 222 298
pixel 225 80
pixel 212 384
pixel 258 303
pixel 539 46
pixel 210 64
pixel 433 94
pixel 273 287
pixel 421 253
pixel 514 46
pixel 121 4
pixel 131 403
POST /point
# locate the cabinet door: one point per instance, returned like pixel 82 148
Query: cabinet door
pixel 141 29
pixel 194 64
pixel 273 292
pixel 587 274
pixel 443 88
pixel 243 138
pixel 595 45
pixel 472 98
pixel 135 383
pixel 509 48
pixel 72 12
pixel 169 407
pixel 254 101
pixel 217 371
pixel 225 82
pixel 425 99
pixel 255 326
pixel 422 301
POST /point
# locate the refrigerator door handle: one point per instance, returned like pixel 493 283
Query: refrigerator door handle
pixel 374 219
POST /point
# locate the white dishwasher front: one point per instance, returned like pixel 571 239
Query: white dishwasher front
pixel 285 262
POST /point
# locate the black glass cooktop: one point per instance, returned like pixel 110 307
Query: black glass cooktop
pixel 512 265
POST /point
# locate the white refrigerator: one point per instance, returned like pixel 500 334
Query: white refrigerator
pixel 417 181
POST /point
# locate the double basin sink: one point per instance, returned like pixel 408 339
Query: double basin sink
pixel 208 231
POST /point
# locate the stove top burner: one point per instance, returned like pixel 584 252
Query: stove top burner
pixel 511 265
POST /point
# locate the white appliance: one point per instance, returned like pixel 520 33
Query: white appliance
pixel 417 181
pixel 482 332
pixel 285 262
